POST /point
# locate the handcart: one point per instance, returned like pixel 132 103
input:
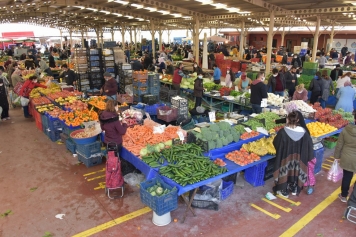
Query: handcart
pixel 113 175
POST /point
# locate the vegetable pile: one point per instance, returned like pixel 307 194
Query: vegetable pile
pixel 77 117
pixel 247 135
pixel 269 118
pixel 189 167
pixel 216 136
pixel 158 190
pixel 242 157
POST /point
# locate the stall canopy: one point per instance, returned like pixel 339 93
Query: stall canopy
pixel 15 35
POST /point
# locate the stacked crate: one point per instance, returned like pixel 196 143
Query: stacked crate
pixel 140 85
pixel 181 104
pixel 89 154
pixel 95 67
pixel 125 76
pixel 154 84
pixel 81 68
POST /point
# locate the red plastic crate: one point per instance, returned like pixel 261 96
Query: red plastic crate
pixel 38 119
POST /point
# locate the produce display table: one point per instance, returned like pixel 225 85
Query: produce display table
pixel 331 134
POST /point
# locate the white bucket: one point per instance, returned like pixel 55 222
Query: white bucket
pixel 163 220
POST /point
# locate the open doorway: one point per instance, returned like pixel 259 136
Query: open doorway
pixel 290 45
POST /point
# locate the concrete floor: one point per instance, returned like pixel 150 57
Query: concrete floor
pixel 29 160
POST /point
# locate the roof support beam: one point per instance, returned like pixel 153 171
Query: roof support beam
pixel 265 5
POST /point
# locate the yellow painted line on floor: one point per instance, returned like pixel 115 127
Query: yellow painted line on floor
pixel 101 186
pixel 114 222
pixel 274 216
pixel 286 209
pixel 332 161
pixel 87 174
pixel 97 177
pixel 326 165
pixel 331 157
pixel 288 200
pixel 294 229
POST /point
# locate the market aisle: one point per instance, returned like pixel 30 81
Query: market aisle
pixel 29 160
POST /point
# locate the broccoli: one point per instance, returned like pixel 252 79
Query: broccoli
pixel 230 138
pixel 211 145
pixel 224 126
pixel 214 128
pixel 219 143
pixel 224 141
pixel 221 133
pixel 226 133
pixel 199 135
pixel 236 137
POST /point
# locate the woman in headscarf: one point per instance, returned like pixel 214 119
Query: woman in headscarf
pixel 346 96
pixel 161 65
pixel 4 103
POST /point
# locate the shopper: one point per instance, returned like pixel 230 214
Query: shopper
pixel 198 90
pixel 322 60
pixel 296 61
pixel 147 61
pixel 161 65
pixel 277 83
pixel 4 103
pixel 346 96
pixel 348 59
pixel 110 124
pixel 345 151
pixel 29 64
pixel 316 87
pixel 170 68
pixel 109 88
pixel 177 77
pixel 44 67
pixel 244 83
pixel 229 78
pixel 16 77
pixel 51 62
pixel 283 70
pixel 291 80
pixel 25 91
pixel 197 69
pixel 68 75
pixel 294 149
pixel 341 81
pixel 300 93
pixel 137 65
pixel 327 85
pixel 336 73
pixel 258 92
pixel 217 74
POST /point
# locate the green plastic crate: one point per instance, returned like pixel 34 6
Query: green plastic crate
pixel 310 65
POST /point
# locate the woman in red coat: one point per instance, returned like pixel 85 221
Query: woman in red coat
pixel 25 91
pixel 110 124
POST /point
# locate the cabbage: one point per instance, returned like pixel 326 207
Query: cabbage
pixel 157 148
pixel 159 191
pixel 153 193
pixel 168 143
pixel 161 145
pixel 143 152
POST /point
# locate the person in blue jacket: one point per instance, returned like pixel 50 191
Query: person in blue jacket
pixel 217 74
pixel 346 96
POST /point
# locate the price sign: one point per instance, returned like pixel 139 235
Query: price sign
pixel 181 136
pixel 248 130
pixel 212 116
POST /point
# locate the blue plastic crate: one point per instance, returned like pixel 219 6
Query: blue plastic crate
pixel 93 160
pixel 44 119
pixel 152 109
pixel 138 92
pixel 110 70
pixel 53 135
pixel 153 76
pixel 141 83
pixel 319 155
pixel 255 174
pixel 137 98
pixel 68 129
pixel 154 83
pixel 227 190
pixel 54 124
pixel 159 204
pixel 154 90
pixel 88 149
pixel 70 145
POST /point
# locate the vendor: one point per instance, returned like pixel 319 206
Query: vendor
pixel 346 96
pixel 277 83
pixel 68 75
pixel 44 67
pixel 170 68
pixel 217 74
pixel 229 78
pixel 244 83
pixel 300 93
pixel 110 124
pixel 109 89
pixel 177 77
pixel 291 80
pixel 161 65
pixel 198 90
pixel 258 92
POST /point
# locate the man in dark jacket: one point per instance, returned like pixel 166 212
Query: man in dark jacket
pixel 110 87
pixel 277 82
pixel 344 51
pixel 291 80
pixel 258 92
pixel 137 65
pixel 68 75
pixel 296 61
pixel 198 89
pixel 336 73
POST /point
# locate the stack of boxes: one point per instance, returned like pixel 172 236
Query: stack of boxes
pixel 181 104
pixel 125 76
pixel 89 154
pixel 140 85
pixel 154 84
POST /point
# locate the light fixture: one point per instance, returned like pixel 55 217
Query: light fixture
pixel 121 2
pixel 204 2
pixel 232 9
pixel 81 7
pixel 140 19
pixel 164 12
pixel 91 9
pixel 353 3
pixel 176 15
pixel 219 5
pixel 117 14
pixel 130 17
pixel 106 12
pixel 151 9
pixel 138 6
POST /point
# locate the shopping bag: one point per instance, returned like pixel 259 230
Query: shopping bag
pixel 335 173
pixel 18 87
pixel 24 101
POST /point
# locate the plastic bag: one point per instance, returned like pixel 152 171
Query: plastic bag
pixel 134 179
pixel 92 127
pixel 24 101
pixel 335 173
pixel 129 90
